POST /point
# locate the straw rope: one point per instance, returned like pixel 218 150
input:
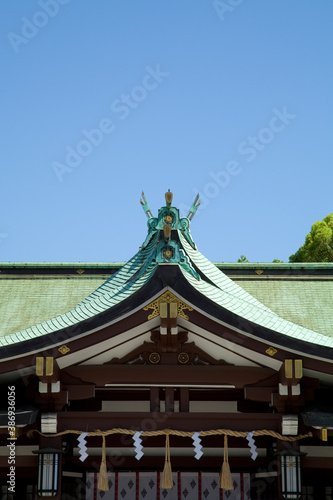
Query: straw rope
pixel 225 476
pixel 174 432
pixel 103 475
pixel 167 482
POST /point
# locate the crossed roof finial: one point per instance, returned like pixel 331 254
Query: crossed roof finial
pixel 146 206
pixel 168 198
pixel 194 207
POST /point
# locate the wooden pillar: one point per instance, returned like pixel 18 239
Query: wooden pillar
pixel 154 399
pixel 184 399
pixel 169 399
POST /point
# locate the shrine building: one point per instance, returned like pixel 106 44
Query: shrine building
pixel 166 377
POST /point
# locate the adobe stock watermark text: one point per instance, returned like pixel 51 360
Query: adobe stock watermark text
pixel 31 26
pixel 11 476
pixel 248 150
pixel 121 109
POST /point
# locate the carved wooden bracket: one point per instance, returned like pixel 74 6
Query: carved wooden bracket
pixel 168 350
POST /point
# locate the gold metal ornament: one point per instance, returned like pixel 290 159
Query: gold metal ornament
pixel 271 351
pixel 167 231
pixel 183 358
pixel 167 253
pixel 167 297
pixel 154 358
pixel 168 198
pixel 64 349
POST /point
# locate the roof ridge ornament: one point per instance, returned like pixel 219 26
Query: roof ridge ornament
pixel 194 207
pixel 145 206
pixel 162 232
pixel 168 198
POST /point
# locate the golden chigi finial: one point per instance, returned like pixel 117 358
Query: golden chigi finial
pixel 168 198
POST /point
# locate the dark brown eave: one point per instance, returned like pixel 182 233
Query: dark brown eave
pixel 261 345
pixel 81 342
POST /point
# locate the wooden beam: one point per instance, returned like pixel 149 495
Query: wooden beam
pixel 123 394
pixel 252 406
pixel 25 466
pixel 83 404
pixel 259 393
pixel 317 463
pixel 186 375
pixel 83 391
pixel 89 421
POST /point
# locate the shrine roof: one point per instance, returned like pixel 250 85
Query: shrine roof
pixel 292 299
pixel 31 293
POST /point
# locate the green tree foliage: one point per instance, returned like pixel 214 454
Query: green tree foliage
pixel 318 246
pixel 242 258
pixel 276 261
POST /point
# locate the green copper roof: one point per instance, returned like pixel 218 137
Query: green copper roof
pixel 33 297
pixel 305 302
pixel 117 288
pixel 234 298
pixel 29 299
pixel 33 303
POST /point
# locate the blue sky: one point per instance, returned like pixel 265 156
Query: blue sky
pixel 101 100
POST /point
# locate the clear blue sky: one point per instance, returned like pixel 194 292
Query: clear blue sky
pixel 231 99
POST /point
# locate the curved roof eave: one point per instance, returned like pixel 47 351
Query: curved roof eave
pixel 198 295
pixel 235 299
pixel 120 286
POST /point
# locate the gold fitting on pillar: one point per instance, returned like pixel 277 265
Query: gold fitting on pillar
pixel 39 366
pixel 323 436
pixel 49 366
pixel 288 368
